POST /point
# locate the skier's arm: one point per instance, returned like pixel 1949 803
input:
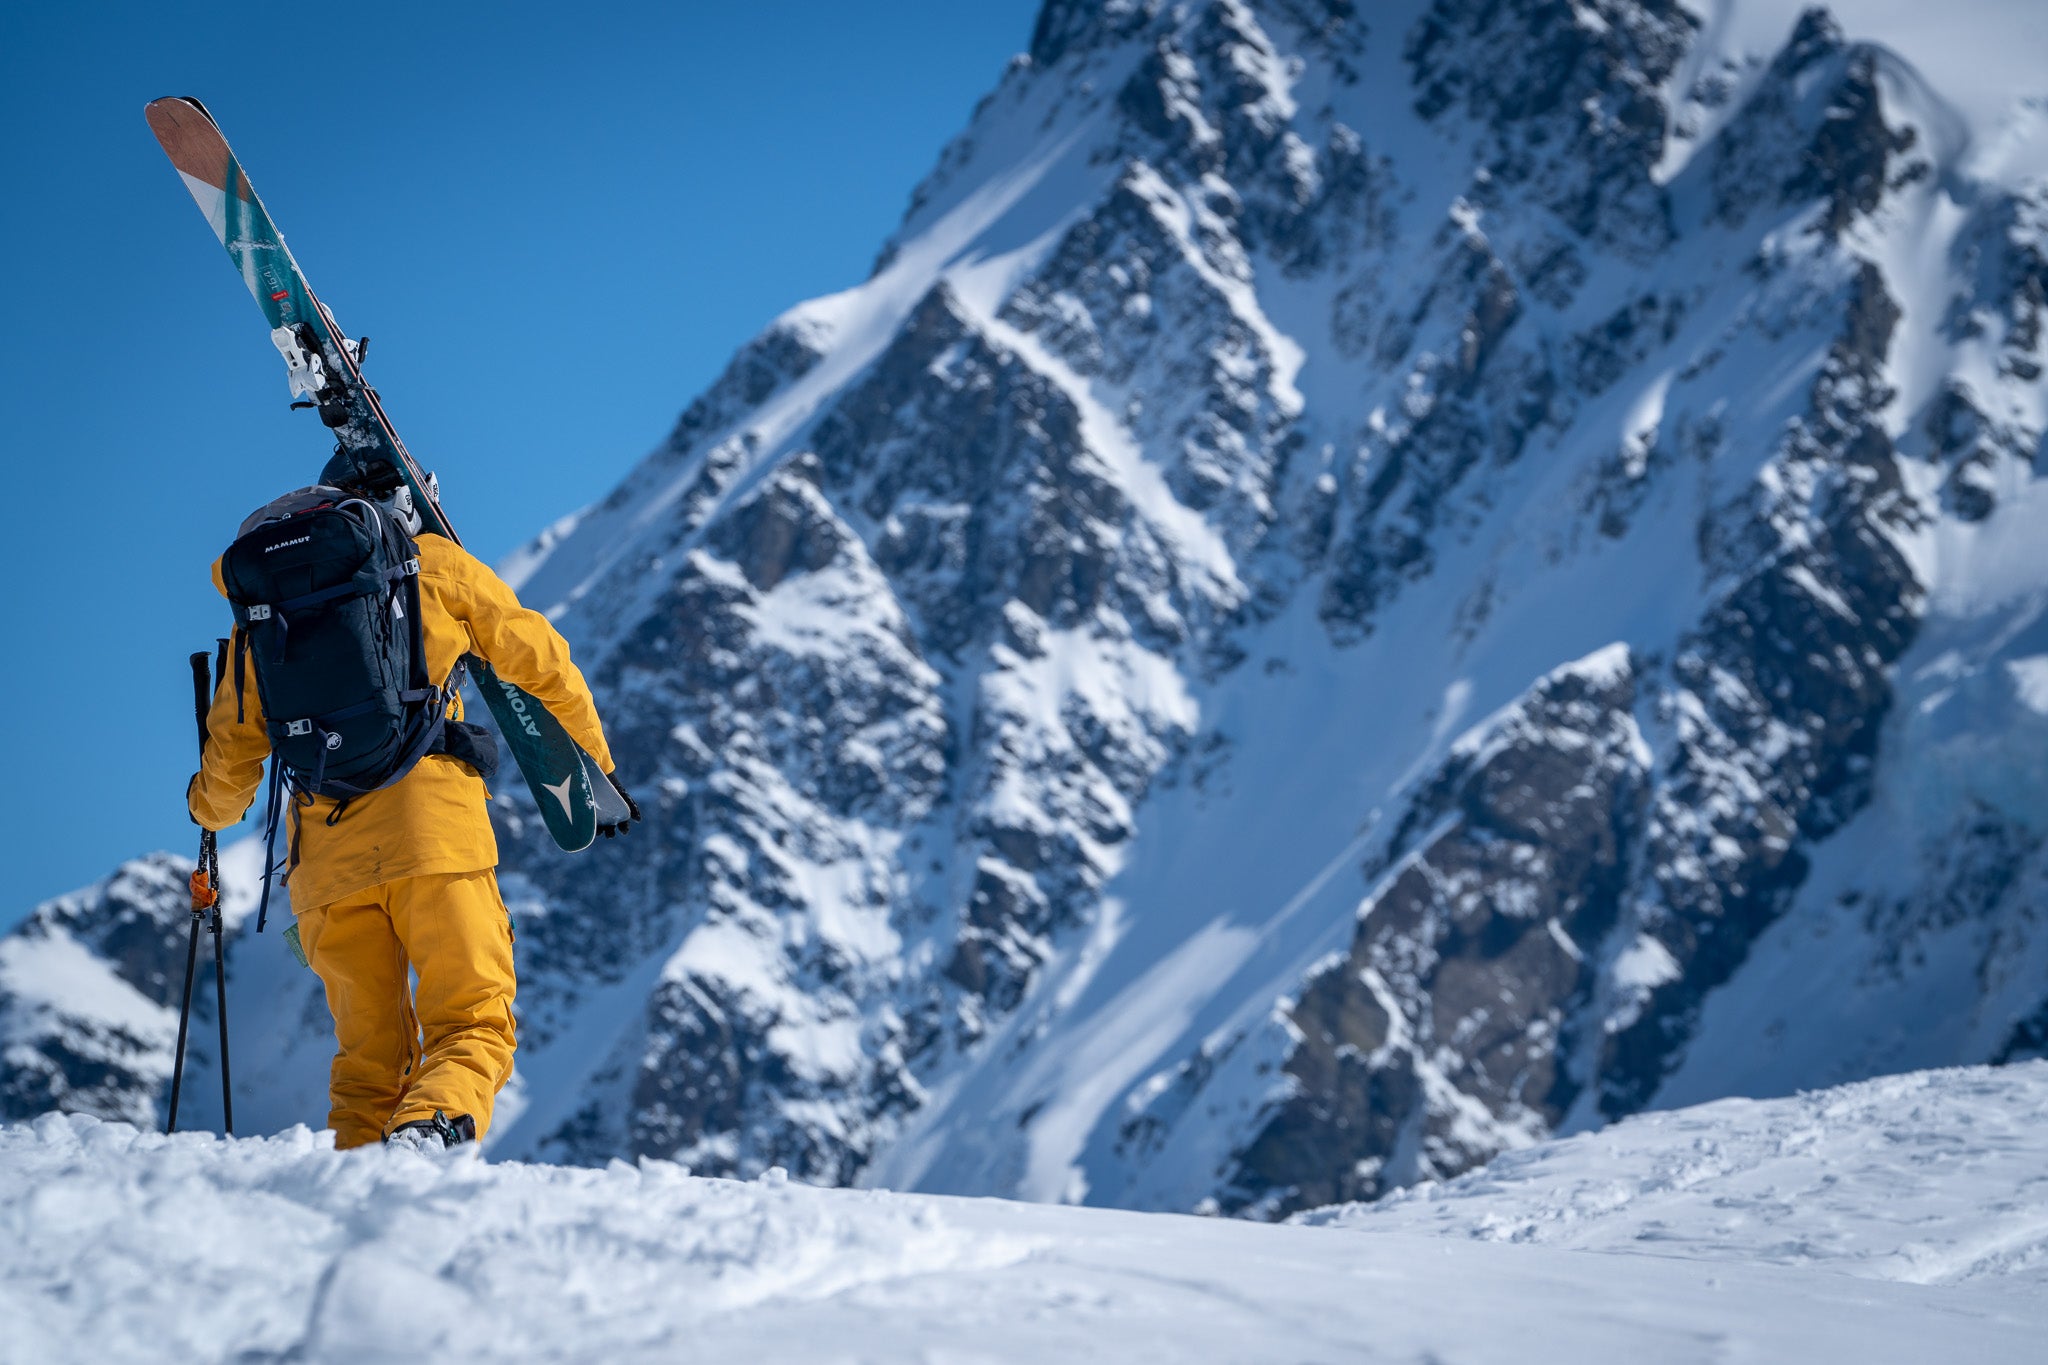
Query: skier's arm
pixel 527 651
pixel 231 769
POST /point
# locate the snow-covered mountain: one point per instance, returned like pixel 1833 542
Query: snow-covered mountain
pixel 1360 586
pixel 1791 1230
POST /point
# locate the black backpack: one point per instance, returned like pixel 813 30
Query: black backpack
pixel 326 590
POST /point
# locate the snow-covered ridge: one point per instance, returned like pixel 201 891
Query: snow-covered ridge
pixel 1932 1177
pixel 122 1247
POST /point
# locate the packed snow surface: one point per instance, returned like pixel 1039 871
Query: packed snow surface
pixel 1935 1177
pixel 1736 1220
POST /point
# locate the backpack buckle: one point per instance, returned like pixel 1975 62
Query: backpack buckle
pixel 412 567
pixel 259 612
pixel 298 727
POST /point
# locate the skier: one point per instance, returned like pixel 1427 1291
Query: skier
pixel 401 879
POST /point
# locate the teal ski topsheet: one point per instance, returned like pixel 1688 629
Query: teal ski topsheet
pixel 573 796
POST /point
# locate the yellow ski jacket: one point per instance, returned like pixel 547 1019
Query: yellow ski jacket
pixel 432 820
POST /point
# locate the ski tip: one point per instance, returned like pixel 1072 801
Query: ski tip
pixel 193 141
pixel 176 115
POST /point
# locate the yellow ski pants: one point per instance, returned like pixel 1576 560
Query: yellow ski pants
pixel 398 1059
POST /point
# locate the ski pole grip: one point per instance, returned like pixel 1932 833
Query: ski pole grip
pixel 202 694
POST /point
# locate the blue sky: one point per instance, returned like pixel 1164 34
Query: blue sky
pixel 555 222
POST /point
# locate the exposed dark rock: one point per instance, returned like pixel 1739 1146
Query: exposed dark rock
pixel 1815 130
pixel 760 368
pixel 1473 399
pixel 1969 445
pixel 1068 27
pixel 1784 692
pixel 1569 94
pixel 2028 1040
pixel 1847 161
pixel 1470 958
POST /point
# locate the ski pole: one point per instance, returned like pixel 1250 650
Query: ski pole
pixel 198 662
pixel 211 853
pixel 205 903
pixel 185 1009
pixel 210 850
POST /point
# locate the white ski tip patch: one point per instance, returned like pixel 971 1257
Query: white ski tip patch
pixel 212 201
pixel 560 791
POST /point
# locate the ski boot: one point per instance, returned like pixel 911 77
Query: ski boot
pixel 429 1136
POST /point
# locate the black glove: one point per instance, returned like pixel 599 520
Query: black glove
pixel 632 813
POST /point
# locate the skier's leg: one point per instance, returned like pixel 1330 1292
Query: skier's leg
pixel 456 931
pixel 350 944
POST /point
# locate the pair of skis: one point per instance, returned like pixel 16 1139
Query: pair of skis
pixel 325 371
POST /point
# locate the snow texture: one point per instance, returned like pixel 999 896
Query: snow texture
pixel 1932 1177
pixel 1717 1234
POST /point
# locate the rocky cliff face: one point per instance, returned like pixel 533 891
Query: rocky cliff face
pixel 1360 585
pixel 89 990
